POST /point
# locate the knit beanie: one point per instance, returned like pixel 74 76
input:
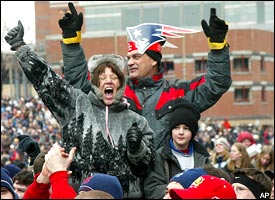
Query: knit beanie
pixel 6 182
pixel 103 182
pixel 245 135
pixel 154 55
pixel 13 169
pixel 187 177
pixel 186 114
pixel 223 141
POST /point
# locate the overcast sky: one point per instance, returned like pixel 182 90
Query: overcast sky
pixel 11 12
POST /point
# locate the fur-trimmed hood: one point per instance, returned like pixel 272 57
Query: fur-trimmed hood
pixel 118 61
pixel 96 60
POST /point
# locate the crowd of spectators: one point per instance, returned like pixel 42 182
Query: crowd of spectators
pixel 25 117
pixel 29 116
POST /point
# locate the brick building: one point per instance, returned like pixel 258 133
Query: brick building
pixel 251 38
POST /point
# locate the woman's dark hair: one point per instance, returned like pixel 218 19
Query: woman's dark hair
pixel 101 68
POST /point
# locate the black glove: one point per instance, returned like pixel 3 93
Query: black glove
pixel 216 31
pixel 15 36
pixel 71 25
pixel 30 146
pixel 133 138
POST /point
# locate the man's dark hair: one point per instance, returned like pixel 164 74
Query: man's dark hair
pixel 24 177
pixel 39 162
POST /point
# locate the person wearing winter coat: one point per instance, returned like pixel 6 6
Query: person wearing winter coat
pixel 109 137
pixel 147 90
pixel 180 151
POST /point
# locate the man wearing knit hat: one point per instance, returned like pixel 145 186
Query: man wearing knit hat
pixel 147 91
pixel 179 152
pixel 7 190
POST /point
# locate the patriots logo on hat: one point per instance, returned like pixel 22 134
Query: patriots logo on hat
pixel 148 34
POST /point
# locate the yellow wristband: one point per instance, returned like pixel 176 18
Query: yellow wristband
pixel 216 45
pixel 76 39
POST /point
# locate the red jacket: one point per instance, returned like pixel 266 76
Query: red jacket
pixel 60 188
pixel 37 190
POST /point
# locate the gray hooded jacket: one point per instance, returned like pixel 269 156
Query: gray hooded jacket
pixel 84 118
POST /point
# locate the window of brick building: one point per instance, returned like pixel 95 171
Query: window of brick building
pixel 167 66
pixel 242 94
pixel 262 64
pixel 263 94
pixel 240 64
pixel 200 66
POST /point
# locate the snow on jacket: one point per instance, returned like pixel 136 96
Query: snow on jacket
pixel 83 124
pixel 155 97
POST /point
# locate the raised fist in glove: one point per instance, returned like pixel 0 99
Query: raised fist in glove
pixel 15 36
pixel 133 138
pixel 215 31
pixel 29 145
pixel 71 25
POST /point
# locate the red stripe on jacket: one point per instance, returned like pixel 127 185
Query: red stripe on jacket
pixel 174 93
pixel 132 95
